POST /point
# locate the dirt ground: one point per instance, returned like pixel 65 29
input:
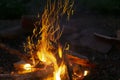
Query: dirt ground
pixel 107 64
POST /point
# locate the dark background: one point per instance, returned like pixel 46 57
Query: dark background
pixel 89 15
pixel 15 8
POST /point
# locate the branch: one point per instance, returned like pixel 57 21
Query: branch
pixel 79 59
pixel 14 52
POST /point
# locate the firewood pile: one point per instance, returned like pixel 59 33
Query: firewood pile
pixel 107 58
pixel 19 74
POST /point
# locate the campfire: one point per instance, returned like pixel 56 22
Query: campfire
pixel 46 58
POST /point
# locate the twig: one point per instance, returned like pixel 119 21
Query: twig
pixel 113 40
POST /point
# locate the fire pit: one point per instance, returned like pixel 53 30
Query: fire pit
pixel 46 59
pixel 75 70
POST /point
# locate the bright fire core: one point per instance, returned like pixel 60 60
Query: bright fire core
pixel 43 46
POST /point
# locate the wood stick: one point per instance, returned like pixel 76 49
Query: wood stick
pixel 69 69
pixel 79 61
pixel 15 76
pixel 14 52
pixel 5 75
pixel 107 39
pixel 73 59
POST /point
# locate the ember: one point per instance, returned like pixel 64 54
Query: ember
pixel 47 49
pixel 46 58
pixel 27 67
pixel 44 47
pixel 85 73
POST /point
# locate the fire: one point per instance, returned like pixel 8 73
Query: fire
pixel 85 73
pixel 60 52
pixel 27 67
pixel 46 48
pixel 61 70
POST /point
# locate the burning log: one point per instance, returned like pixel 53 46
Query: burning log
pixel 69 68
pixel 77 66
pixel 69 58
pixel 78 59
pixel 42 52
pixel 81 60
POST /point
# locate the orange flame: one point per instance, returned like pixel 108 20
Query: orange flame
pixel 86 73
pixel 46 48
pixel 27 67
pixel 60 51
pixel 61 70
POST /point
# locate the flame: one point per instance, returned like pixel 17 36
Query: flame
pixel 60 51
pixel 60 71
pixel 27 67
pixel 85 73
pixel 47 49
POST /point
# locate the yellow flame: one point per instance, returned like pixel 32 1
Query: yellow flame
pixel 85 73
pixel 46 47
pixel 60 52
pixel 27 67
pixel 61 70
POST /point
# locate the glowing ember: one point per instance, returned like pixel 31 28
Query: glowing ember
pixel 48 38
pixel 27 67
pixel 85 73
pixel 43 46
